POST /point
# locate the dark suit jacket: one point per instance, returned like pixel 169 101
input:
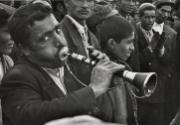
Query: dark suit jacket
pixel 30 97
pixel 151 62
pixel 75 44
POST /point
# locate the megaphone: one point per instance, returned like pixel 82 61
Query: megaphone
pixel 145 82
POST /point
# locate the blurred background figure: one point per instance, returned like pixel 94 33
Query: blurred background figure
pixel 176 120
pixel 100 12
pixel 168 76
pixel 177 15
pixel 128 9
pixel 6 43
pixel 59 9
pixel 6 46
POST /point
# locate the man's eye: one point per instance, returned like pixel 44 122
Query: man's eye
pixel 45 38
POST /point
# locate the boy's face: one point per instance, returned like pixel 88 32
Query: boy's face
pixel 124 48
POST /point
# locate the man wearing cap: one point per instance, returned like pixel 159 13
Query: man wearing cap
pixel 163 11
pixel 146 40
pixel 156 49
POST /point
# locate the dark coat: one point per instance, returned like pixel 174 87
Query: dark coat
pixel 163 99
pixel 81 70
pixel 151 62
pixel 30 97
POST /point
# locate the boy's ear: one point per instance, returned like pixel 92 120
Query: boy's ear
pixel 111 43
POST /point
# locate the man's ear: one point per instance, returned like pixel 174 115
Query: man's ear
pixel 111 43
pixel 25 50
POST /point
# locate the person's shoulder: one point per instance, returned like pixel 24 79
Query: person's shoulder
pixel 169 30
pixel 9 60
pixel 65 21
pixel 23 71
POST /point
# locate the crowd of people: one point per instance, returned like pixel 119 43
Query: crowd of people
pixel 42 83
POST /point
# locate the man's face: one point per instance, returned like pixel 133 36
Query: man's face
pixel 6 43
pixel 124 49
pixel 49 46
pixel 148 19
pixel 80 9
pixel 163 13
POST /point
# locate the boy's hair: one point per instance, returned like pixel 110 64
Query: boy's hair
pixel 24 17
pixel 4 16
pixel 115 27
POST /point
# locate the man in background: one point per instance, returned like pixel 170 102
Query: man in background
pixel 78 36
pixel 6 45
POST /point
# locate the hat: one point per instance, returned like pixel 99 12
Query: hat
pixel 115 27
pixel 160 3
pixel 144 6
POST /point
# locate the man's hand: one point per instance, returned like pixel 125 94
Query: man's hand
pixel 161 41
pixel 96 54
pixel 153 44
pixel 102 74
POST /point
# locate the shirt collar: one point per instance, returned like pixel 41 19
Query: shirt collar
pixel 54 72
pixel 77 24
pixel 151 31
pixel 158 27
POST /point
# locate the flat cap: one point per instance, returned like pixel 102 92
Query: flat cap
pixel 146 5
pixel 160 3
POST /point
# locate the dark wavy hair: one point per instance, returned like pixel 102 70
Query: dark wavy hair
pixel 24 17
pixel 4 16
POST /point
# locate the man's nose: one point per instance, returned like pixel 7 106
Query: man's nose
pixel 60 40
pixel 152 19
pixel 132 47
pixel 85 3
pixel 166 14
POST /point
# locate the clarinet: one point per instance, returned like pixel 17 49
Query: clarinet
pixel 82 58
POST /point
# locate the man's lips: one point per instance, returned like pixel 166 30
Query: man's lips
pixel 84 12
pixel 63 53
